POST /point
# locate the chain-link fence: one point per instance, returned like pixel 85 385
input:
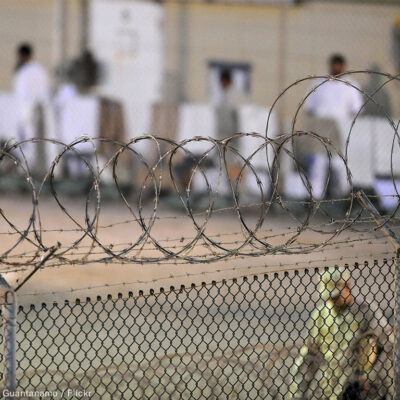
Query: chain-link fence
pixel 274 336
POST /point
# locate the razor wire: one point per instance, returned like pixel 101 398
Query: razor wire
pixel 222 166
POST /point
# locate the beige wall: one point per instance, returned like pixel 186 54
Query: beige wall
pixel 250 34
pixel 226 32
pixel 33 21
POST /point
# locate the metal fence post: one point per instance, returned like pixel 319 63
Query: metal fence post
pixel 397 327
pixel 9 311
pixel 395 241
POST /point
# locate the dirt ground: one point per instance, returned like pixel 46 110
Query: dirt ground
pixel 172 229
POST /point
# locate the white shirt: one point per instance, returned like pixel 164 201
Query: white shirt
pixel 230 98
pixel 334 99
pixel 30 87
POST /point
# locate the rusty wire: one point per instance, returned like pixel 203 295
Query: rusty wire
pixel 159 165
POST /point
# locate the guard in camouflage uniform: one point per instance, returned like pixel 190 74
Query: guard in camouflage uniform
pixel 378 383
pixel 346 355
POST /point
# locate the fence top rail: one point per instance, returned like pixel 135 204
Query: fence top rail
pixel 270 274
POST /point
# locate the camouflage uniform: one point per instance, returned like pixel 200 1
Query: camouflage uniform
pixel 343 349
pixel 381 374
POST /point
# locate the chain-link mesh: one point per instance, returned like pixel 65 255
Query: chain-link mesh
pixel 274 336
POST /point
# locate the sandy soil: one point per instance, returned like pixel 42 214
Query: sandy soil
pixel 173 229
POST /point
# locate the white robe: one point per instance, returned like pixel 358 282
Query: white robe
pixel 338 102
pixel 334 99
pixel 30 88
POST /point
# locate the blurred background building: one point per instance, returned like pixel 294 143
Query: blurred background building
pixel 267 43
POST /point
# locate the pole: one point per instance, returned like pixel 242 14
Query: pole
pixel 9 310
pixel 60 39
pixel 395 241
pixel 282 60
pixel 397 327
pixel 84 37
pixel 182 28
pixel 40 132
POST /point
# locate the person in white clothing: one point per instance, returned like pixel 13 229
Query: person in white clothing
pixel 31 88
pixel 227 125
pixel 335 99
pixel 227 106
pixel 330 104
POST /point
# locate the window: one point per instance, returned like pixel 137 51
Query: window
pixel 239 73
